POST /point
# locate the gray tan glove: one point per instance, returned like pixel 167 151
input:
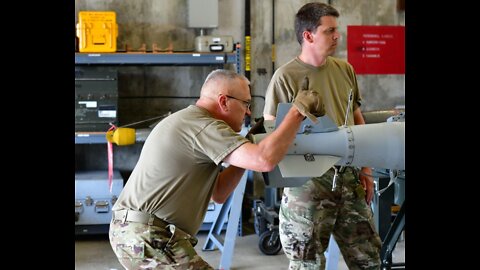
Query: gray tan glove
pixel 309 103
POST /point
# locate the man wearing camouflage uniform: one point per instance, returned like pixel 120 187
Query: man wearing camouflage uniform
pixel 164 201
pixel 329 204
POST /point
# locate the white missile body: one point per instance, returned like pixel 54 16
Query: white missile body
pixel 318 147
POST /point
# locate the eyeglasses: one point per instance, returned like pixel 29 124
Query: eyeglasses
pixel 247 103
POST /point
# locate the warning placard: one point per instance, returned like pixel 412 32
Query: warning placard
pixel 376 49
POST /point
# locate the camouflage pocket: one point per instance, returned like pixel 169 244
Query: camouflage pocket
pixel 135 251
pixel 179 235
pixel 296 236
pixel 123 240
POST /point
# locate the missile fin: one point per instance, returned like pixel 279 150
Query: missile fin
pixel 324 124
pixel 275 179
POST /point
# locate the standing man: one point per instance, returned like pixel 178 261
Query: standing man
pixel 163 203
pixel 309 214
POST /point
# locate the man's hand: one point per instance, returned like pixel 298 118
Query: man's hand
pixel 310 104
pixel 367 182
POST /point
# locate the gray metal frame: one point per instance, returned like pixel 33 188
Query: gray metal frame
pixel 167 59
pixel 158 59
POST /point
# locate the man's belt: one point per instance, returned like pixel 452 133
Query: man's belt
pixel 139 217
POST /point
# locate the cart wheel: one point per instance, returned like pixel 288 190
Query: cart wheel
pixel 269 245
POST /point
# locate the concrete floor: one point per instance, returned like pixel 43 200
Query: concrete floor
pixel 95 252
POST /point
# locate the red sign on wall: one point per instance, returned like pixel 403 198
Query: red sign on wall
pixel 376 49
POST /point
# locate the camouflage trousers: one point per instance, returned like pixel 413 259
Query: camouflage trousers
pixel 148 247
pixel 309 214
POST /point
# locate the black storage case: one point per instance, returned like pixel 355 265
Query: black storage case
pixel 96 98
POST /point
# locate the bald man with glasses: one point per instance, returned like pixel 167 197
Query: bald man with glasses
pixel 164 201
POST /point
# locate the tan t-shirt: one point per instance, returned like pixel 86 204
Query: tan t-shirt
pixel 332 81
pixel 178 166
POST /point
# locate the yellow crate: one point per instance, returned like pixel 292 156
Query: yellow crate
pixel 97 31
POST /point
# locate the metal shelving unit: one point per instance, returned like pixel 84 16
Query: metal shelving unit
pixel 167 59
pixel 150 59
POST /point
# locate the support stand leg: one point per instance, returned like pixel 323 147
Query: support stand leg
pixel 234 206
